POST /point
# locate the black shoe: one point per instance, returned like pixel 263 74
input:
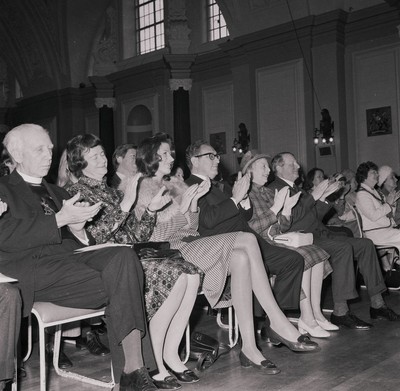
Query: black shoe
pixel 266 365
pixel 63 361
pixel 187 376
pixel 169 383
pixel 384 313
pixel 93 344
pixel 302 345
pixel 138 380
pixel 351 321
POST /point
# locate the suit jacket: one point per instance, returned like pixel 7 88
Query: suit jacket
pixel 307 214
pixel 26 233
pixel 114 181
pixel 218 213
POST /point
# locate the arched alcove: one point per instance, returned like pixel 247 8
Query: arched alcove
pixel 139 124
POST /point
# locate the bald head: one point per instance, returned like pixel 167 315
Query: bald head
pixel 31 148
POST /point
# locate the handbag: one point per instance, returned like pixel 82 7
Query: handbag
pixel 206 350
pixel 151 250
pixel 293 239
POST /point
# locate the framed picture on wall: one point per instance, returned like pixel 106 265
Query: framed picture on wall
pixel 379 121
pixel 218 142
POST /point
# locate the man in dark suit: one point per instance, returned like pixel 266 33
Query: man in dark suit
pixel 124 163
pixel 221 213
pixel 38 237
pixel 307 216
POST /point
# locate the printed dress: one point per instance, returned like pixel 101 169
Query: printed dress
pixel 112 224
pixel 211 254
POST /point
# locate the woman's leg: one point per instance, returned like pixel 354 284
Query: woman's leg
pixel 178 325
pixel 242 299
pixel 161 320
pixel 317 276
pixel 262 288
pixel 307 315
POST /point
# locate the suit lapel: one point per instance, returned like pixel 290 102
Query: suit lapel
pixel 23 189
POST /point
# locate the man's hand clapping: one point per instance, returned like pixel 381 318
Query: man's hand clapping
pixel 75 213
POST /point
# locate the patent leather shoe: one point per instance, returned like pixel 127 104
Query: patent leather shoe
pixel 138 380
pixel 186 376
pixel 169 383
pixel 384 313
pixel 302 345
pixel 63 361
pixel 93 344
pixel 266 365
pixel 351 321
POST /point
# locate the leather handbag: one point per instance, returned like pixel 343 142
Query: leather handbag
pixel 206 350
pixel 293 239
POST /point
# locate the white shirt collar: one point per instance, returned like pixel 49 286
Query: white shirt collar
pixel 30 179
pixel 290 183
pixel 204 178
pixel 121 176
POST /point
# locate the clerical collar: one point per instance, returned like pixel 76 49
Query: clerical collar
pixel 30 179
pixel 290 183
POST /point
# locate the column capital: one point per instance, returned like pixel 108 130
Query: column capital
pixel 108 102
pixel 175 84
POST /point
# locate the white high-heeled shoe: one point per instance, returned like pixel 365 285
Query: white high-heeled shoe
pixel 315 331
pixel 326 325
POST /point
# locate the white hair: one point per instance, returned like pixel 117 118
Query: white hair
pixel 14 139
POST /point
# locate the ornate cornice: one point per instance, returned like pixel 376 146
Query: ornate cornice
pixel 175 84
pixel 108 102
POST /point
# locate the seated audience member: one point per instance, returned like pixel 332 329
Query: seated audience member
pixel 7 165
pixel 336 199
pixel 124 163
pixel 171 285
pixel 91 340
pixel 178 172
pixel 229 210
pixel 64 176
pixel 376 209
pixel 235 254
pixel 10 321
pixel 387 183
pixel 38 235
pixel 306 216
pixel 267 220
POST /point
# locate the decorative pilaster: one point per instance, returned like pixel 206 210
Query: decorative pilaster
pixel 106 104
pixel 175 84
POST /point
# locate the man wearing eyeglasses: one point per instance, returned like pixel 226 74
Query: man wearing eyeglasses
pixel 229 211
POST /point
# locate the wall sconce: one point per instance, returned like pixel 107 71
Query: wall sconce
pixel 241 144
pixel 326 129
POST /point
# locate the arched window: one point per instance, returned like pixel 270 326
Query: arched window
pixel 216 25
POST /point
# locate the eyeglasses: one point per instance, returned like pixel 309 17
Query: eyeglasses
pixel 211 155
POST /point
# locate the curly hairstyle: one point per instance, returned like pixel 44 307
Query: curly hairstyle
pixel 147 157
pixel 308 183
pixel 76 147
pixel 363 169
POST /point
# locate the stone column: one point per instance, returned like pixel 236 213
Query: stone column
pixel 181 88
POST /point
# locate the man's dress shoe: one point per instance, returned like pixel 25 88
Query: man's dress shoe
pixel 186 376
pixel 93 344
pixel 138 380
pixel 63 361
pixel 384 313
pixel 351 321
pixel 169 383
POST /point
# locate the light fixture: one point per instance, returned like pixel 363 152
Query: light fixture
pixel 326 129
pixel 241 144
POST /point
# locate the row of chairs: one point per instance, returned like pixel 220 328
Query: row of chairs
pixel 52 315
